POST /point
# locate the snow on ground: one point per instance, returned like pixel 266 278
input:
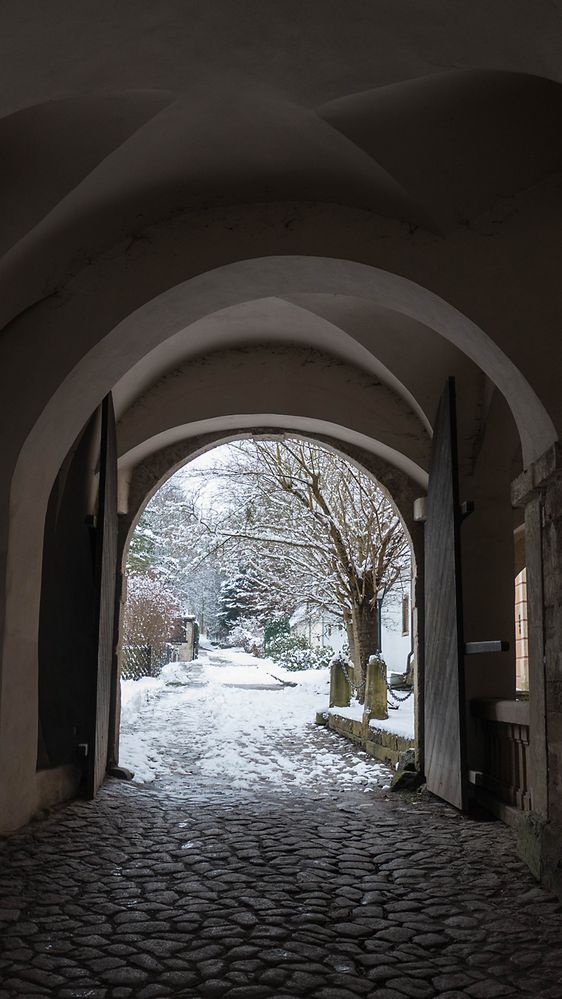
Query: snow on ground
pixel 355 711
pixel 400 720
pixel 205 722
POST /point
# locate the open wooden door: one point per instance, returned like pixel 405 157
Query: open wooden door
pixel 444 642
pixel 105 573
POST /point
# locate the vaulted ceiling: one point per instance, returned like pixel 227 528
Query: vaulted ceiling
pixel 152 153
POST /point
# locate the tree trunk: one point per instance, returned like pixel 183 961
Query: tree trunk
pixel 348 622
pixel 354 652
pixel 364 626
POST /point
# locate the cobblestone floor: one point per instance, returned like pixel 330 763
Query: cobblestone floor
pixel 151 894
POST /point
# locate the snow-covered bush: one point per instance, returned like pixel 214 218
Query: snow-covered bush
pixel 246 634
pixel 150 611
pixel 293 652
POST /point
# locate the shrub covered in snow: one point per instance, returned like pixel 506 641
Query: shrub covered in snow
pixel 246 634
pixel 293 652
pixel 150 612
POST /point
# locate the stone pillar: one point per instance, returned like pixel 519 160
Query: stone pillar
pixel 539 491
pixel 340 687
pixel 376 703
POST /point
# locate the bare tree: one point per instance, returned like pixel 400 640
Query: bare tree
pixel 312 525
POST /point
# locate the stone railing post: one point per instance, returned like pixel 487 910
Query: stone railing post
pixel 376 702
pixel 340 687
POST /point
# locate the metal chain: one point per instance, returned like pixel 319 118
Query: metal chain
pixel 361 686
pixel 395 697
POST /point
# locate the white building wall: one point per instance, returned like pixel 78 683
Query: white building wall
pixel 325 629
pixel 395 646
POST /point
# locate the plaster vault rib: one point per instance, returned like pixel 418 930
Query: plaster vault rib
pixel 275 321
pixel 246 280
pixel 279 424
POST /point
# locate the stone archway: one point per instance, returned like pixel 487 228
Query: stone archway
pixel 132 346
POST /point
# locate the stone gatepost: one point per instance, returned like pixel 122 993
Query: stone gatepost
pixel 340 687
pixel 376 701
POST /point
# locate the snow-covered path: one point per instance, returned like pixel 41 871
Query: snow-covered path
pixel 214 726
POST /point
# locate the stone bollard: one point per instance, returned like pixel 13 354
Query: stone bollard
pixel 376 703
pixel 340 687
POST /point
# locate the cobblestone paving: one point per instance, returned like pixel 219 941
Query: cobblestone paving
pixel 150 894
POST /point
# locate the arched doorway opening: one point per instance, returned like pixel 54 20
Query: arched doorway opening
pixel 405 449
pixel 296 573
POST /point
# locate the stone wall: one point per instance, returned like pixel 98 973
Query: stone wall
pixel 381 745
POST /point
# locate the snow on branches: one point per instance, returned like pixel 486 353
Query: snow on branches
pixel 268 525
pixel 308 527
pixel 150 611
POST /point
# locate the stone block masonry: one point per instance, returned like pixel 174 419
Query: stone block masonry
pixel 378 743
